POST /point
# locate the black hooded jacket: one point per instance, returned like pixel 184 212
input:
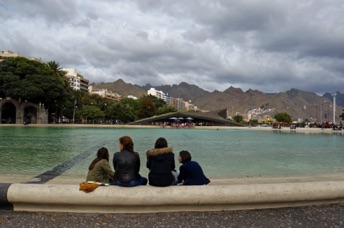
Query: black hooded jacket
pixel 160 162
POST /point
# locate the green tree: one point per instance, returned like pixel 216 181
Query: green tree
pixel 166 109
pixel 61 74
pixel 147 107
pixel 158 102
pixel 238 118
pixel 33 81
pixel 342 115
pixel 90 112
pixel 253 122
pixel 122 113
pixel 283 117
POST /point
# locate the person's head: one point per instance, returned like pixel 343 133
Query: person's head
pixel 103 153
pixel 184 156
pixel 126 143
pixel 160 143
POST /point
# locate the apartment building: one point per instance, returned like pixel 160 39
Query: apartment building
pixel 105 93
pixel 178 103
pixel 132 97
pixel 189 106
pixel 8 54
pixel 157 93
pixel 77 81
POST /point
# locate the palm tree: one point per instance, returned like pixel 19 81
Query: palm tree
pixel 61 74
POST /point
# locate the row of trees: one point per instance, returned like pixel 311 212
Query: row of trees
pixel 46 83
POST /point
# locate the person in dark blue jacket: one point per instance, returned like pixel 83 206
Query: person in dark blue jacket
pixel 191 172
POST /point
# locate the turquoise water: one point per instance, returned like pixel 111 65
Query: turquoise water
pixel 221 153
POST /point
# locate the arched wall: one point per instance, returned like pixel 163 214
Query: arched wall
pixel 41 115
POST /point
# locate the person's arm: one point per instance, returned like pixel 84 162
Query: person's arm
pixel 107 168
pixel 138 162
pixel 173 164
pixel 114 162
pixel 181 175
pixel 149 162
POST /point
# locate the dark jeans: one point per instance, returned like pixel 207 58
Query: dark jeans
pixel 140 181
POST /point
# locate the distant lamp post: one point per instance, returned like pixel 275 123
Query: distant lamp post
pixel 334 107
pixel 316 112
pixel 74 111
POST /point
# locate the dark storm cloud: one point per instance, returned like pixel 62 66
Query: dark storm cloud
pixel 268 45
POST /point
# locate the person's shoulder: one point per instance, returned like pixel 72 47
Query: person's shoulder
pixel 160 151
pixel 116 154
pixel 191 163
pixel 104 161
pixel 195 163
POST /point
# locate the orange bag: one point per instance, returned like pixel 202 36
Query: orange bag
pixel 88 187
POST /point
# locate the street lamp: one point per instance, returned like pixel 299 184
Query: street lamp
pixel 334 107
pixel 316 112
pixel 74 111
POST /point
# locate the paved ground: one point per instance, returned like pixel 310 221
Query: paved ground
pixel 310 216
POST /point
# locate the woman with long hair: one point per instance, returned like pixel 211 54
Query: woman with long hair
pixel 127 165
pixel 100 169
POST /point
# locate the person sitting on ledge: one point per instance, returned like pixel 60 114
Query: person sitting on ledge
pixel 191 172
pixel 100 169
pixel 161 165
pixel 127 165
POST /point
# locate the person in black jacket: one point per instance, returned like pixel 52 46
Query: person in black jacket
pixel 127 165
pixel 160 162
pixel 191 172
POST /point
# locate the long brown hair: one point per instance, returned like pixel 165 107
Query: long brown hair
pixel 127 143
pixel 102 153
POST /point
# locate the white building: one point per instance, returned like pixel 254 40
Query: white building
pixel 157 93
pixel 132 97
pixel 77 81
pixel 105 93
pixel 8 54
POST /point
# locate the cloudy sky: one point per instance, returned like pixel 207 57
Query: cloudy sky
pixel 266 45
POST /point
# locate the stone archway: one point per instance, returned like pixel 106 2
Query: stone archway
pixel 30 115
pixel 8 113
pixel 22 112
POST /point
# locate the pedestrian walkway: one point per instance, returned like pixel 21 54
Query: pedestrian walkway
pixel 298 217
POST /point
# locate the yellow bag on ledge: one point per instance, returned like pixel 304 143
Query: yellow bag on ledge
pixel 88 187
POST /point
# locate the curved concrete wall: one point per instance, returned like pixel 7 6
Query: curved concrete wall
pixel 114 199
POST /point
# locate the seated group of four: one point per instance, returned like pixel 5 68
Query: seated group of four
pixel 160 162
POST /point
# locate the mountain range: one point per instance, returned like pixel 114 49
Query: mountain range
pixel 297 103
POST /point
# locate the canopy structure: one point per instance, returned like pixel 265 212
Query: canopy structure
pixel 212 118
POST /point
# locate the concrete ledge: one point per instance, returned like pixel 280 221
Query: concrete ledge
pixel 114 199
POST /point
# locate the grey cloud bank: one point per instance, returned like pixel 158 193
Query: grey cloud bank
pixel 268 45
